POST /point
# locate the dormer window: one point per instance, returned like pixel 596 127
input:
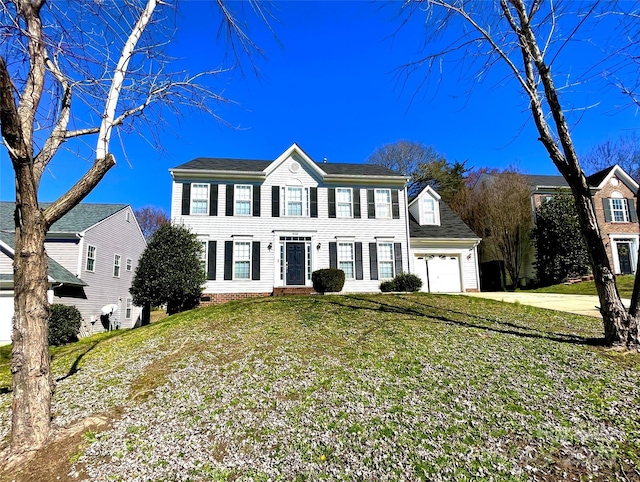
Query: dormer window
pixel 429 211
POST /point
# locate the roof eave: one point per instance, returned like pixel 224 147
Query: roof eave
pixel 216 174
pixel 360 179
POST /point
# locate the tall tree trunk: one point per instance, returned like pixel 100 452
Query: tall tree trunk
pixel 33 384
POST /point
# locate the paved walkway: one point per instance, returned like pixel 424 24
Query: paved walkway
pixel 579 304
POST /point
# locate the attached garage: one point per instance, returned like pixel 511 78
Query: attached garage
pixel 444 274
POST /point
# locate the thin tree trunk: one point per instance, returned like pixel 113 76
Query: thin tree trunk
pixel 33 384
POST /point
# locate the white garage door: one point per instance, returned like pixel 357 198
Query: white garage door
pixel 6 315
pixel 444 274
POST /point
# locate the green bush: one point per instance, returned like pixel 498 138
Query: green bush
pixel 328 280
pixel 402 282
pixel 64 324
pixel 407 282
pixel 387 286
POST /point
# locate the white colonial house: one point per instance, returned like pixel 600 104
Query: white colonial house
pixel 267 225
pixel 93 252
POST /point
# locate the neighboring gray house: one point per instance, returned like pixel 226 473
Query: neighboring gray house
pixel 444 250
pixel 267 225
pixel 93 251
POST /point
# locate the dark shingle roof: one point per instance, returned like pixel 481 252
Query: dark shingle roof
pixel 80 217
pixel 596 178
pixel 451 226
pixel 249 165
pixel 546 181
pixel 58 273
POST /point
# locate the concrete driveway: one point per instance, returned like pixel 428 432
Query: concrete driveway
pixel 578 304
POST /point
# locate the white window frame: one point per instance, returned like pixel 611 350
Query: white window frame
pixel 90 258
pixel 117 265
pixel 198 189
pixel 346 260
pixel 204 260
pixel 128 309
pixel 129 264
pixel 387 204
pixel 288 201
pixel 382 262
pixel 237 259
pixel 236 199
pixel 622 210
pixel 340 203
pixel 430 213
pixel 127 216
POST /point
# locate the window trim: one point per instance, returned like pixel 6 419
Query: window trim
pixel 236 200
pixel 624 209
pixel 304 205
pixel 192 198
pixel 235 260
pixel 389 203
pixel 86 263
pixel 433 211
pixel 128 309
pixel 204 256
pixel 129 264
pixel 117 265
pixel 339 203
pixel 391 261
pixel 352 260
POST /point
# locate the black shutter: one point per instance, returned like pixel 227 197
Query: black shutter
pixel 632 211
pixel 397 252
pixel 607 210
pixel 356 205
pixel 333 255
pixel 395 204
pixel 359 273
pixel 228 260
pixel 256 201
pixel 314 202
pixel 332 202
pixel 371 206
pixel 373 260
pixel 229 210
pixel 275 201
pixel 186 198
pixel 213 200
pixel 255 260
pixel 211 260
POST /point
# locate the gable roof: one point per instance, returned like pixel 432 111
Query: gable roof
pixel 57 273
pixel 601 177
pixel 451 227
pixel 219 165
pixel 78 219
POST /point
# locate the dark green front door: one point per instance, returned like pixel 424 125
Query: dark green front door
pixel 295 264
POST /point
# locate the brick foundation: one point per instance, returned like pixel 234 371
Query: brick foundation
pixel 208 299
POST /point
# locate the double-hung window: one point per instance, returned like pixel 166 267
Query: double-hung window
pixel 385 260
pixel 127 311
pixel 199 198
pixel 429 211
pixel 344 202
pixel 129 264
pixel 203 256
pixel 116 265
pixel 346 259
pixel 294 201
pixel 619 210
pixel 383 203
pixel 242 200
pixel 242 260
pixel 91 258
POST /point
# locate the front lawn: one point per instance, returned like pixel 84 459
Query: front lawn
pixel 624 282
pixel 366 387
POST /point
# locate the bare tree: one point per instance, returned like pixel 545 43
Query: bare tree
pixel 150 218
pixel 625 151
pixel 80 70
pixel 526 40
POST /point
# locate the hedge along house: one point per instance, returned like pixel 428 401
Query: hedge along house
pixel 267 225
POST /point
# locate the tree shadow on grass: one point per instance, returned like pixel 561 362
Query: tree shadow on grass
pixel 73 369
pixel 463 319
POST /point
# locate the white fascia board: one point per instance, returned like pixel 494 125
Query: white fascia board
pixel 418 243
pixel 8 249
pixel 197 174
pixel 397 181
pixel 294 148
pixel 622 174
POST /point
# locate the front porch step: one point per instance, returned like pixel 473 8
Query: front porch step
pixel 303 290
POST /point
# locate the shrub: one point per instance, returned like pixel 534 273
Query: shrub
pixel 328 280
pixel 387 286
pixel 64 324
pixel 407 282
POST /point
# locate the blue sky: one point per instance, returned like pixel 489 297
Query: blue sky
pixel 330 84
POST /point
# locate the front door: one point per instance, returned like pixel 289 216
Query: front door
pixel 624 256
pixel 295 264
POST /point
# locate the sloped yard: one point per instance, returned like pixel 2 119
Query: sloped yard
pixel 408 387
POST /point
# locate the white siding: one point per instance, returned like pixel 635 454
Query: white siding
pixel 65 252
pixel 112 236
pixel 267 229
pixel 6 263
